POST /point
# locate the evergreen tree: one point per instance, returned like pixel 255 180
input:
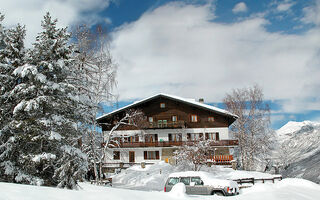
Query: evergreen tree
pixel 47 113
pixel 12 55
pixel 1 31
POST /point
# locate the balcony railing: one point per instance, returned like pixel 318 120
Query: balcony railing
pixel 169 143
pixel 170 124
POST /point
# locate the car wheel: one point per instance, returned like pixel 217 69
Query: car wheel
pixel 218 193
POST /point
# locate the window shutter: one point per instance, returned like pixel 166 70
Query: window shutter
pixel 157 155
pixel 145 155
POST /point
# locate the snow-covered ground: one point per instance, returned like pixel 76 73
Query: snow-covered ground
pixel 293 189
pixel 153 177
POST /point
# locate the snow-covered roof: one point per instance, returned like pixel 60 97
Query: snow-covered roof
pixel 176 98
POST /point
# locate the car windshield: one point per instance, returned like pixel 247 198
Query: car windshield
pixel 185 180
pixel 196 180
pixel 173 181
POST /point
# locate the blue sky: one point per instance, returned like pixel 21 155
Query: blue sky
pixel 201 49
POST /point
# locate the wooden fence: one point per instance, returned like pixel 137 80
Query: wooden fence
pixel 255 180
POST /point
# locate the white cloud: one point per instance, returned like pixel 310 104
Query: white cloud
pixel 31 12
pixel 285 6
pixel 277 118
pixel 312 13
pixel 196 57
pixel 240 7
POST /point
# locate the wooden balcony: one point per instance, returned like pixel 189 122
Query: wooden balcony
pixel 219 143
pixel 170 124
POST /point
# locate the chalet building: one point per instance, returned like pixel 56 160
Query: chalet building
pixel 168 122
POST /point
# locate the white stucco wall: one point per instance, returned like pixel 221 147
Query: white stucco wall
pixel 163 133
pixel 162 136
pixel 124 155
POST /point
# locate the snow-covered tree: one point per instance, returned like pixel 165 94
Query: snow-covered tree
pixel 47 113
pixel 12 56
pixel 109 140
pixel 1 31
pixel 97 81
pixel 194 155
pixel 252 127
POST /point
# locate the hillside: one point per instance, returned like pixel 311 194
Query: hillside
pixel 299 150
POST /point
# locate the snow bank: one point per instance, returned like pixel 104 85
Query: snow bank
pixel 153 177
pixel 178 191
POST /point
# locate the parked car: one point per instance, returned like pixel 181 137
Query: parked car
pixel 202 183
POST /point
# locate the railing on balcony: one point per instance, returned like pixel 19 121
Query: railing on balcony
pixel 168 143
pixel 221 158
pixel 170 124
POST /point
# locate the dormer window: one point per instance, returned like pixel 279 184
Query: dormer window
pixel 150 119
pixel 210 119
pixel 162 105
pixel 194 118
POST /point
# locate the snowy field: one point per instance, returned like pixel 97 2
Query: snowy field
pixel 287 189
pixel 136 183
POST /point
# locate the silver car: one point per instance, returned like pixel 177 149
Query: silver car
pixel 196 185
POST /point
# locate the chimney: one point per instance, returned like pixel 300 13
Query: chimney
pixel 201 100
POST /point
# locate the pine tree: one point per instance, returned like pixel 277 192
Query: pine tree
pixel 1 31
pixel 47 113
pixel 12 55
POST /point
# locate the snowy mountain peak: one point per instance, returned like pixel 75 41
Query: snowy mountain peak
pixel 296 127
pixel 299 149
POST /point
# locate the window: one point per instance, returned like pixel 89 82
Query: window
pixel 210 119
pixel 151 138
pixel 164 123
pixel 174 118
pixel 189 136
pixel 159 123
pixel 130 121
pixel 217 136
pixel 150 119
pixel 185 180
pixel 136 138
pixel 116 155
pixel 175 137
pixel 194 118
pixel 151 155
pixel 196 180
pixel 162 105
pixel 173 181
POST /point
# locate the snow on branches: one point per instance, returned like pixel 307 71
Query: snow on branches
pixel 193 154
pixel 42 107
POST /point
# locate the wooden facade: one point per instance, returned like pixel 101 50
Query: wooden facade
pixel 183 112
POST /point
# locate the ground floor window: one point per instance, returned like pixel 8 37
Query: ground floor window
pixel 212 136
pixel 116 155
pixel 174 137
pixel 151 155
